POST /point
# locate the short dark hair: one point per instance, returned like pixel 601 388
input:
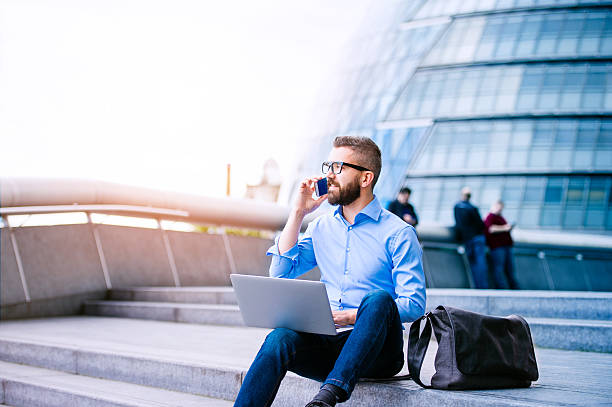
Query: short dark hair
pixel 405 190
pixel 366 152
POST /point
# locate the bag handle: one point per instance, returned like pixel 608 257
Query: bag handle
pixel 417 347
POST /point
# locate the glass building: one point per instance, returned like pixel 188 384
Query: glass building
pixel 510 97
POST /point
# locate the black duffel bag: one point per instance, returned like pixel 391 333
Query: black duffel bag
pixel 474 351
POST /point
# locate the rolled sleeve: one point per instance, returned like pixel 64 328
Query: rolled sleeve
pixel 408 276
pixel 294 262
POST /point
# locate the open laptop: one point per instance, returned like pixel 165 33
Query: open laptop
pixel 268 302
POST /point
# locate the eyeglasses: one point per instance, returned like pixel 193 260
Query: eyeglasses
pixel 336 167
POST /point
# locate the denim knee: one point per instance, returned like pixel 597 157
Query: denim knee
pixel 379 304
pixel 377 298
pixel 281 342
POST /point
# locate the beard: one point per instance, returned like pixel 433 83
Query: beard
pixel 345 195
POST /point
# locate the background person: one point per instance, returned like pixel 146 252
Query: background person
pixel 371 264
pixel 402 208
pixel 500 247
pixel 470 231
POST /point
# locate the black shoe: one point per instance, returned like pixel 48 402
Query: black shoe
pixel 326 397
pixel 317 403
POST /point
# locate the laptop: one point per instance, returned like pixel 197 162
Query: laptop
pixel 300 305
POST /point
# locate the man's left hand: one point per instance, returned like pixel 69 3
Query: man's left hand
pixel 343 318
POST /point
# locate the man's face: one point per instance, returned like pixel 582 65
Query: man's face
pixel 403 198
pixel 497 208
pixel 344 188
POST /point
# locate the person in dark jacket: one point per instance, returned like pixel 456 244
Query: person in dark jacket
pixel 470 231
pixel 403 209
pixel 500 244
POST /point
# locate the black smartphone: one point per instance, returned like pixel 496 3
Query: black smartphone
pixel 321 187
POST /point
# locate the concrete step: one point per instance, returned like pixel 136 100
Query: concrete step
pixel 572 334
pixel 29 386
pixel 539 304
pixel 211 361
pixel 192 295
pixel 569 334
pixel 167 311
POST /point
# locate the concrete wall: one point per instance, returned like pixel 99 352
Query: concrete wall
pixel 62 266
pixel 201 259
pixel 135 256
pixel 250 254
pixel 10 282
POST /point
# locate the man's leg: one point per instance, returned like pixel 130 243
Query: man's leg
pixel 283 350
pixel 478 262
pixel 509 267
pixel 375 346
pixel 498 255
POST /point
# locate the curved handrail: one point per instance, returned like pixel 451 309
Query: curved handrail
pixel 36 192
pixel 131 210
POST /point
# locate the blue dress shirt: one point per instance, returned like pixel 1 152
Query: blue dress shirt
pixel 379 251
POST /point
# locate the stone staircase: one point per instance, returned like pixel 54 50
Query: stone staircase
pixel 147 359
pixel 558 319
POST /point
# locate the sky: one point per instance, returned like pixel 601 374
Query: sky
pixel 161 93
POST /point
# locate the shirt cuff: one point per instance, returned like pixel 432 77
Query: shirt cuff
pixel 290 255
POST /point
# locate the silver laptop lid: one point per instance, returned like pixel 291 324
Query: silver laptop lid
pixel 268 302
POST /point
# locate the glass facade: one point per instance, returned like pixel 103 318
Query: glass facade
pixel 437 8
pixel 560 34
pixel 510 97
pixel 514 89
pixel 517 146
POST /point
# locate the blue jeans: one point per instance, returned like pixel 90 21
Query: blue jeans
pixel 503 267
pixel 374 348
pixel 475 250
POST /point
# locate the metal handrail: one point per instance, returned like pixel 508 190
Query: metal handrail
pixel 64 194
pixel 107 209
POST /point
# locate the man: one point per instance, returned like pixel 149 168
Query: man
pixel 370 262
pixel 470 231
pixel 402 208
pixel 500 247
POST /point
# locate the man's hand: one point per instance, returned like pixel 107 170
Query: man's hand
pixel 304 203
pixel 409 219
pixel 343 318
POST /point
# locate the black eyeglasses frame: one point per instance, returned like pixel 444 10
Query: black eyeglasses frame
pixel 330 165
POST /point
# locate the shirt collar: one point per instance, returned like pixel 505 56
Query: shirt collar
pixel 372 210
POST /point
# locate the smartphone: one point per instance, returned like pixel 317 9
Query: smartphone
pixel 321 187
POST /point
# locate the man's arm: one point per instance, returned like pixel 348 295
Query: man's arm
pixel 414 216
pixel 291 259
pixel 393 208
pixel 304 204
pixel 477 219
pixel 408 276
pixel 410 216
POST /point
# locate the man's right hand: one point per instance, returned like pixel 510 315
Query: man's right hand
pixel 304 203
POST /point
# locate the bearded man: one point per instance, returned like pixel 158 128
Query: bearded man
pixel 371 264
